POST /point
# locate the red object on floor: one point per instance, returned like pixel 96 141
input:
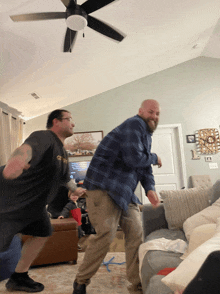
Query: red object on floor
pixel 166 271
pixel 76 214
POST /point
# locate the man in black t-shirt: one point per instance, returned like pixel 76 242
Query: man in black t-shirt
pixel 30 180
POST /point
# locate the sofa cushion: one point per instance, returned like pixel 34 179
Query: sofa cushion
pixel 186 271
pixel 156 260
pixel 199 235
pixel 206 216
pixel 156 286
pixel 181 204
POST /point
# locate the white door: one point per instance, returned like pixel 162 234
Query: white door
pixel 167 143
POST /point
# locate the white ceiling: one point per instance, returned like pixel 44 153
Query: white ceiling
pixel 159 34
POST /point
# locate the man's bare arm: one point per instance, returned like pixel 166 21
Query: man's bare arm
pixel 153 198
pixel 17 162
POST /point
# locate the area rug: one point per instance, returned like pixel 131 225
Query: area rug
pixel 58 279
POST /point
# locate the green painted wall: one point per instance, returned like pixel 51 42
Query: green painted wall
pixel 189 94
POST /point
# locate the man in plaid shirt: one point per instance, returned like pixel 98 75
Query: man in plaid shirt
pixel 122 159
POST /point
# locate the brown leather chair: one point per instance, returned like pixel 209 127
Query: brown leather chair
pixel 61 245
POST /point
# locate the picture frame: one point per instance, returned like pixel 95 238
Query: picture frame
pixel 190 138
pixel 83 143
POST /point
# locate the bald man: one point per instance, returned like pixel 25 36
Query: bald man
pixel 122 159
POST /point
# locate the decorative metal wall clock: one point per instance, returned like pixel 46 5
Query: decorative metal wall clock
pixel 207 141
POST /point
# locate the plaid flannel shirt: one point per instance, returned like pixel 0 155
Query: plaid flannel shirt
pixel 122 159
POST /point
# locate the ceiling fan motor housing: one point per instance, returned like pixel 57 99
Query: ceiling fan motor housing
pixel 76 18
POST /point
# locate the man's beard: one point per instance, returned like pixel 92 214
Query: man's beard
pixel 152 125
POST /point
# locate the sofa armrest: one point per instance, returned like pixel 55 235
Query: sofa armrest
pixel 153 219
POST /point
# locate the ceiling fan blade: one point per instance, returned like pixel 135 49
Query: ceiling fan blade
pixel 93 5
pixel 65 2
pixel 38 16
pixel 104 29
pixel 69 41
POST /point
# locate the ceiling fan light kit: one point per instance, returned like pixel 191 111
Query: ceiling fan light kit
pixel 77 18
pixel 76 22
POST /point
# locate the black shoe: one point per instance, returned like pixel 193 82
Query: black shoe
pixel 79 289
pixel 23 283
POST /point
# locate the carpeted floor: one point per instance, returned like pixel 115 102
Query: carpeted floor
pixel 58 279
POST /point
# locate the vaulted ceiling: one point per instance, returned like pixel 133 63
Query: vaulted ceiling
pixel 159 34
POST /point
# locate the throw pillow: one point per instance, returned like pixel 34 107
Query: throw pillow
pixel 198 237
pixel 209 215
pixel 215 192
pixel 181 204
pixel 188 268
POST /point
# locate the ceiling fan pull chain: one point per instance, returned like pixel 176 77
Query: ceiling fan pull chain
pixel 70 42
pixel 83 34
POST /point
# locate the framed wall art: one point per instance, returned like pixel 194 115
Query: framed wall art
pixel 83 143
pixel 190 138
pixel 208 141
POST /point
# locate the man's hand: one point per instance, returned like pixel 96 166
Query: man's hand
pixel 153 198
pixel 60 217
pixel 159 162
pixel 79 192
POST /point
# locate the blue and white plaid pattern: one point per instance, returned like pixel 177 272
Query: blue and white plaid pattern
pixel 122 159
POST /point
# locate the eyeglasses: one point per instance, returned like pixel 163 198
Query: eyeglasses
pixel 68 118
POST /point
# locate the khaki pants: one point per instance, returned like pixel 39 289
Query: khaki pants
pixel 105 215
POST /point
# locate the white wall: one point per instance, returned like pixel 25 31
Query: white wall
pixel 189 94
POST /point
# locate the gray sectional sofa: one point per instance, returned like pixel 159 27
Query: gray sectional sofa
pixel 155 226
pixel 166 221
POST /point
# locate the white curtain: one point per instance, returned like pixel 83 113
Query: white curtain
pixel 11 135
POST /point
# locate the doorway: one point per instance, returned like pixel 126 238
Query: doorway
pixel 167 142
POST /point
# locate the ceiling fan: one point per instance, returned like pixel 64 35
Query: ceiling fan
pixel 77 18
